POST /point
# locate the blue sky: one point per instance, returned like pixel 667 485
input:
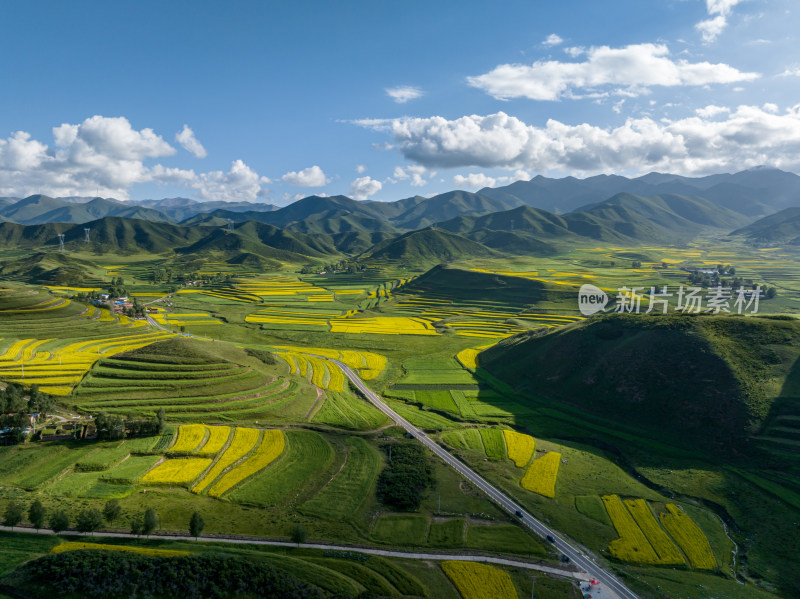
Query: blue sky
pixel 269 101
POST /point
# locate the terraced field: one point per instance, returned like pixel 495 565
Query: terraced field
pixel 205 387
pixel 71 338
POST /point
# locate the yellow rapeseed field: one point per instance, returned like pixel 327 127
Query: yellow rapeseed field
pixel 479 581
pixel 217 437
pixel 244 439
pixel 57 370
pixel 540 477
pixel 368 364
pixel 76 546
pixel 668 553
pixel 177 471
pixel 190 437
pixel 383 325
pixel 520 447
pixel 632 545
pixel 272 445
pixel 689 537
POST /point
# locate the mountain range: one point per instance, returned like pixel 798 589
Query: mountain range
pixel 420 231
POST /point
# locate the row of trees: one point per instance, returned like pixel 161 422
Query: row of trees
pixel 91 519
pixel 113 427
pixel 343 266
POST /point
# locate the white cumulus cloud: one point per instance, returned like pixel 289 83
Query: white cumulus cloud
pixel 711 111
pixel 313 176
pixel 363 187
pixel 480 180
pixel 415 173
pixel 793 71
pixel 474 181
pixel 189 142
pixel 107 156
pixel 719 11
pixel 361 169
pixel 630 71
pixel 552 40
pixel 404 93
pixel 240 183
pixel 704 143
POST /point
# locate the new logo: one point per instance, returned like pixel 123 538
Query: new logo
pixel 591 299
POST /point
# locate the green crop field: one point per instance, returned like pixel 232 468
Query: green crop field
pixel 306 454
pixel 401 530
pixel 449 533
pixel 344 493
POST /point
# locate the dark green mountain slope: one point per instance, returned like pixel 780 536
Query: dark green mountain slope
pixel 782 227
pixel 624 218
pixel 114 233
pixel 312 213
pixel 449 205
pixel 15 236
pixel 30 208
pixel 667 211
pixel 706 381
pixel 263 240
pixel 428 246
pixel 40 209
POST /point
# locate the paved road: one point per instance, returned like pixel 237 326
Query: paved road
pixel 586 563
pixel 581 576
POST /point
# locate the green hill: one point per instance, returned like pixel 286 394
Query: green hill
pixel 263 240
pixel 113 233
pixel 707 381
pixel 48 268
pixel 449 205
pixel 428 246
pixel 781 227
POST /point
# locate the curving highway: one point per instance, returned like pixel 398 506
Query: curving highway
pixel 584 562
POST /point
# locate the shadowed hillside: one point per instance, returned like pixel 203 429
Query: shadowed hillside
pixel 705 380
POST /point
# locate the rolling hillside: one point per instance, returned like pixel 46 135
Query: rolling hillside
pixel 716 384
pixel 428 246
pixel 782 227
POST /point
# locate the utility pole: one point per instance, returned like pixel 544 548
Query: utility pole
pixel 86 230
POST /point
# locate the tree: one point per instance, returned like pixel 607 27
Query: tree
pixel 111 511
pixel 161 418
pixel 196 525
pixel 136 526
pixel 299 534
pixel 36 514
pixel 89 520
pixel 150 522
pixel 13 514
pixel 59 521
pixel 406 480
